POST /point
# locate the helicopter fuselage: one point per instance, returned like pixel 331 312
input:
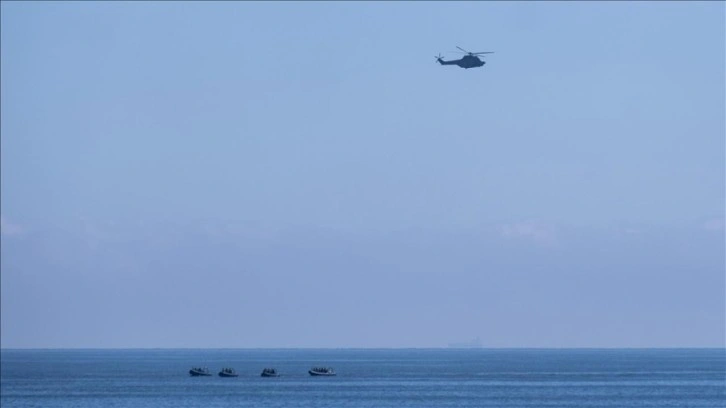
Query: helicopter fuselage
pixel 468 61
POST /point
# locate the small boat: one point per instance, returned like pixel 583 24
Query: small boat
pixel 322 371
pixel 199 372
pixel 228 372
pixel 269 372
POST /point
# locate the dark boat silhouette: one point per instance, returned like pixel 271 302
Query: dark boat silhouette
pixel 322 371
pixel 228 372
pixel 269 372
pixel 199 372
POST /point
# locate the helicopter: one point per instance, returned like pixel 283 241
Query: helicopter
pixel 470 60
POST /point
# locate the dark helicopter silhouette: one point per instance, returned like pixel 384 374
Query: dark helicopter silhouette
pixel 470 60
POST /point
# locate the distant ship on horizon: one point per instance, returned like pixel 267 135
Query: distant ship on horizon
pixel 476 343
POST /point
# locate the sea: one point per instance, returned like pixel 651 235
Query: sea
pixel 142 378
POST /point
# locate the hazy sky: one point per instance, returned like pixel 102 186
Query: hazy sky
pixel 288 174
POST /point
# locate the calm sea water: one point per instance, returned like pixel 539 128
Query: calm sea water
pixel 366 378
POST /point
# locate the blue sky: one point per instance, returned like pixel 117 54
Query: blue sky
pixel 305 175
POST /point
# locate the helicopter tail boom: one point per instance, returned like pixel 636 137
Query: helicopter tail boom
pixel 442 62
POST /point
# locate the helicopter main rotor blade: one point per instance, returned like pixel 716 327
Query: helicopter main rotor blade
pixel 463 49
pixel 479 53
